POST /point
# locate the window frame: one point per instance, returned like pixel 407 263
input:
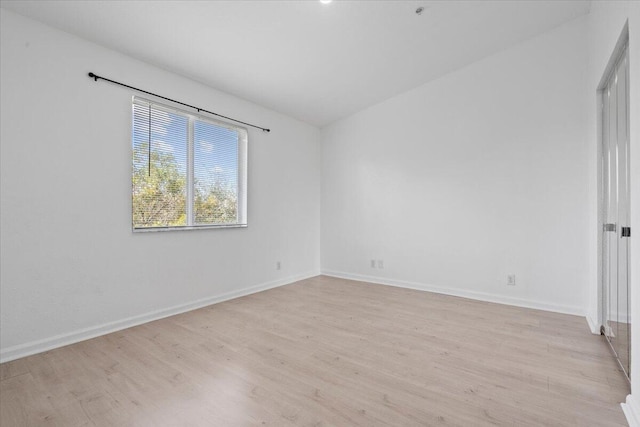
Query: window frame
pixel 192 117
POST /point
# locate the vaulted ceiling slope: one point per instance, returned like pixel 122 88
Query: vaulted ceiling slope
pixel 316 62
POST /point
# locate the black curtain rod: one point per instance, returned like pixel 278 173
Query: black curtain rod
pixel 95 77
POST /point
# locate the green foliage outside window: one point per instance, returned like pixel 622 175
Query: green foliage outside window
pixel 160 199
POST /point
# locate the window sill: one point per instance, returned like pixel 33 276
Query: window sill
pixel 187 228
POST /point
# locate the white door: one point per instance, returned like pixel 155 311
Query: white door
pixel 616 230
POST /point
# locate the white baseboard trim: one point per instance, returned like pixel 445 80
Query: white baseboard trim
pixel 481 296
pixel 595 328
pixel 39 346
pixel 631 409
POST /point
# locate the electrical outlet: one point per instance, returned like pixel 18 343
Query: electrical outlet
pixel 511 280
pixel 373 263
pixel 380 263
pixel 278 265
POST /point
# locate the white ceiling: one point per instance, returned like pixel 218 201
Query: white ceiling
pixel 315 62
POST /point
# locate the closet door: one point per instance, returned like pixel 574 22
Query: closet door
pixel 616 231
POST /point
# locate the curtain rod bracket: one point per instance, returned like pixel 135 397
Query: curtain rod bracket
pixel 95 77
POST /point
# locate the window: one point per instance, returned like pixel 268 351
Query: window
pixel 188 171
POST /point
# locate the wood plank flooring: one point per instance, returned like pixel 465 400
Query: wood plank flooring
pixel 327 352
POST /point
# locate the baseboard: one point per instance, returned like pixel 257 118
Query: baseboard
pixel 480 296
pixel 594 326
pixel 34 347
pixel 631 409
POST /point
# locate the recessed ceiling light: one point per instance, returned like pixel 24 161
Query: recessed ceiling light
pixel 325 1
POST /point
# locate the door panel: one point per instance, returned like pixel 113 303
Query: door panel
pixel 615 186
pixel 622 343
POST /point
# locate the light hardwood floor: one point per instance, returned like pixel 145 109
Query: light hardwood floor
pixel 323 352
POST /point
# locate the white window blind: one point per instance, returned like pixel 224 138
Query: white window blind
pixel 188 171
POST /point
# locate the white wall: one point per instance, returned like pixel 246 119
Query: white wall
pixel 469 178
pixel 606 22
pixel 71 267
